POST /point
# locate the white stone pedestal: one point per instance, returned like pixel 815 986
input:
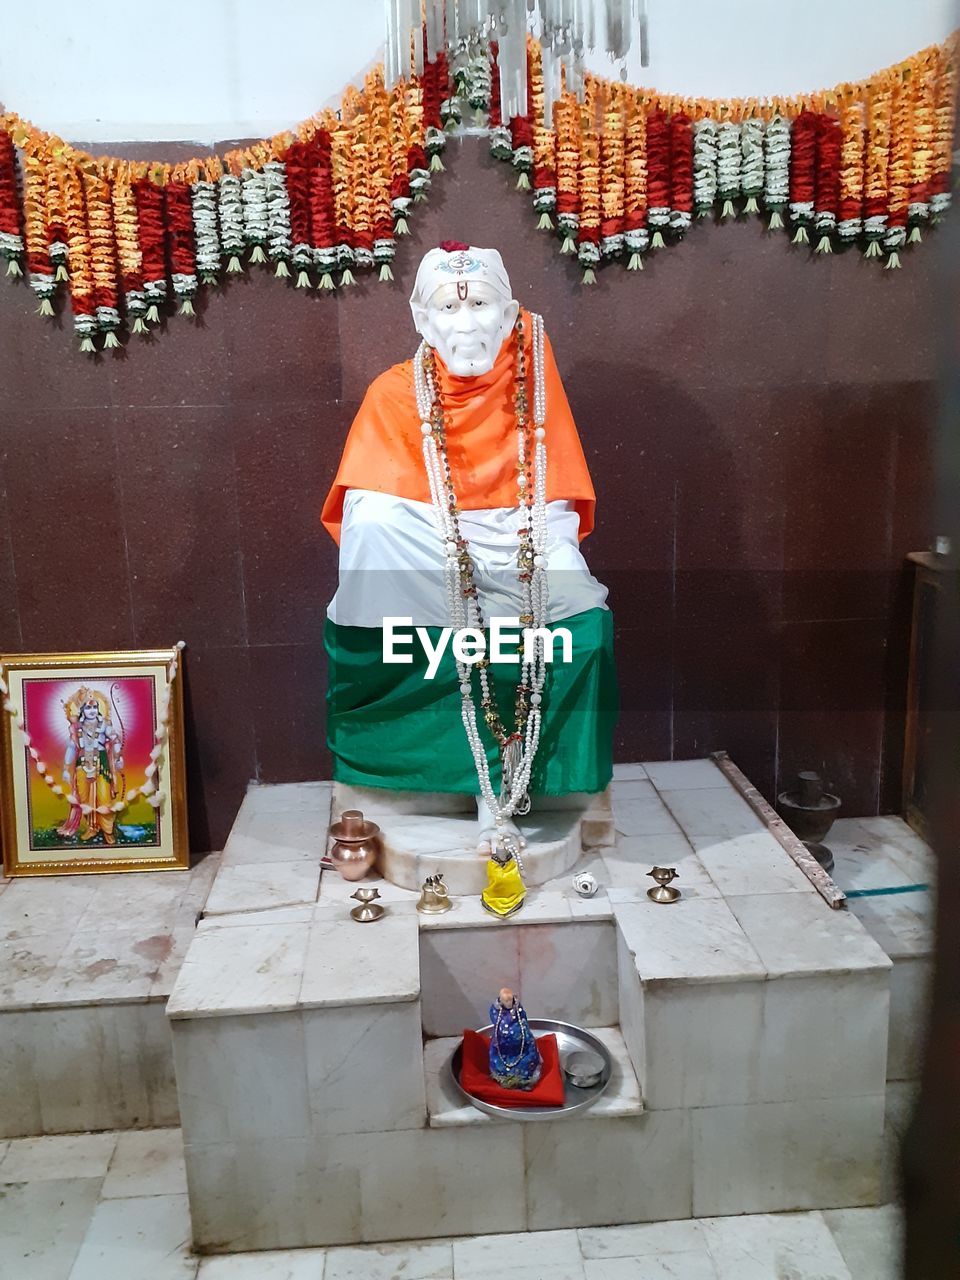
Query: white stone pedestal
pixel 429 832
pixel 748 1024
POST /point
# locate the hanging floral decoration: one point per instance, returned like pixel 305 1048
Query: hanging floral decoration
pixel 319 204
pixel 866 163
pixel 613 170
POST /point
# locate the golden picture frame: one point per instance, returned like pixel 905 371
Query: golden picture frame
pixel 92 765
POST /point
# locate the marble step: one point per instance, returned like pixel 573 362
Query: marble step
pixel 446 1108
pixel 425 833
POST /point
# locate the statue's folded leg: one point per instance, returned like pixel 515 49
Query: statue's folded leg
pixel 388 726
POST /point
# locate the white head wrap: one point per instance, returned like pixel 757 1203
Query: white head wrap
pixel 443 266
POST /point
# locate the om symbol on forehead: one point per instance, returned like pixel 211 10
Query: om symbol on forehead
pixel 459 263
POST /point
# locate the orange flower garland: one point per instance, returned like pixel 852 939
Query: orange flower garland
pixel 378 142
pixel 55 215
pixel 635 180
pixel 344 197
pixel 39 266
pixel 588 236
pixel 129 255
pixel 567 125
pixel 899 168
pixel 879 113
pixel 80 256
pixel 612 173
pixel 852 143
pixel 945 99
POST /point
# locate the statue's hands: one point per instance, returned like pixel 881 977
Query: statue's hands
pixel 119 762
pixel 66 775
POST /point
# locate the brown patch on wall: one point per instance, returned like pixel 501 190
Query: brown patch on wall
pixel 759 427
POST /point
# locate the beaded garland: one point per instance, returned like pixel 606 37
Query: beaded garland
pixel 518 747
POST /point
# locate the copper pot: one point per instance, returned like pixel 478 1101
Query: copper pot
pixel 356 845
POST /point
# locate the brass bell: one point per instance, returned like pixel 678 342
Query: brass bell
pixel 434 897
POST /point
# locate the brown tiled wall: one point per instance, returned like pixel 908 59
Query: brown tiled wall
pixel 759 427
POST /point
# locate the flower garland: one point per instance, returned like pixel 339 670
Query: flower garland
pixel 616 174
pixel 11 237
pixel 861 163
pixel 150 789
pixel 635 235
pixel 39 266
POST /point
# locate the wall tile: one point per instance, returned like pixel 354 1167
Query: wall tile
pixel 10 634
pixel 831 707
pixel 179 510
pixel 60 470
pixel 221 744
pixel 289 559
pixel 287 703
pixel 839 460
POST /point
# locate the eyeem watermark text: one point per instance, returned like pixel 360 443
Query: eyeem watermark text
pixel 470 644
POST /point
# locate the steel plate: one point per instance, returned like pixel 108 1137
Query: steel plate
pixel 569 1038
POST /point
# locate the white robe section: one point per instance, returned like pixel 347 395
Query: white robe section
pixel 392 558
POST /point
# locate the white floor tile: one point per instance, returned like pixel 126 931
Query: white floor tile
pixel 147 1162
pixel 280 1264
pixel 712 811
pixel 679 775
pixel 627 772
pixel 42 1226
pixel 549 1253
pixel 870 1240
pixel 670 1266
pixel 148 1238
pixel 429 1261
pixel 639 1241
pixel 52 1159
pixel 785 1246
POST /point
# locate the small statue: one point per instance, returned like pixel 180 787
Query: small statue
pixel 515 1061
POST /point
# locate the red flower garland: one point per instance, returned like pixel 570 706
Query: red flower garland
pixel 182 245
pixel 149 198
pixel 494 115
pixel 296 158
pixel 803 172
pixel 325 235
pixel 658 174
pixel 11 227
pixel 827 199
pixel 681 172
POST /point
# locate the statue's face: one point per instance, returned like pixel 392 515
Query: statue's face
pixel 91 710
pixel 469 331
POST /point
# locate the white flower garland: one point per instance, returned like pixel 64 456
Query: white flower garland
pixel 729 167
pixel 231 220
pixel 705 136
pixel 776 152
pixel 751 172
pixel 465 609
pixel 253 192
pixel 203 203
pixel 278 213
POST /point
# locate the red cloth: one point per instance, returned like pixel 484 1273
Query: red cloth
pixel 476 1080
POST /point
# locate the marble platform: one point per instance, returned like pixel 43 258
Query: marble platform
pixel 749 1024
pixel 86 966
pixel 426 833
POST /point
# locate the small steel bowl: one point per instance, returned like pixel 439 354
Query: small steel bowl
pixel 583 1068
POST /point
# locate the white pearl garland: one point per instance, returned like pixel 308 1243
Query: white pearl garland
pixel 465 611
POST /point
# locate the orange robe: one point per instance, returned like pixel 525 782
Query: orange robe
pixel 384 446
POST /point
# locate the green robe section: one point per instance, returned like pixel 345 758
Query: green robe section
pixel 387 726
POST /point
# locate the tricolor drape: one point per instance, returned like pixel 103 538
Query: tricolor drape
pixel 618 172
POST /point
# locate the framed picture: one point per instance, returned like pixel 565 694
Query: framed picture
pixel 92 773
